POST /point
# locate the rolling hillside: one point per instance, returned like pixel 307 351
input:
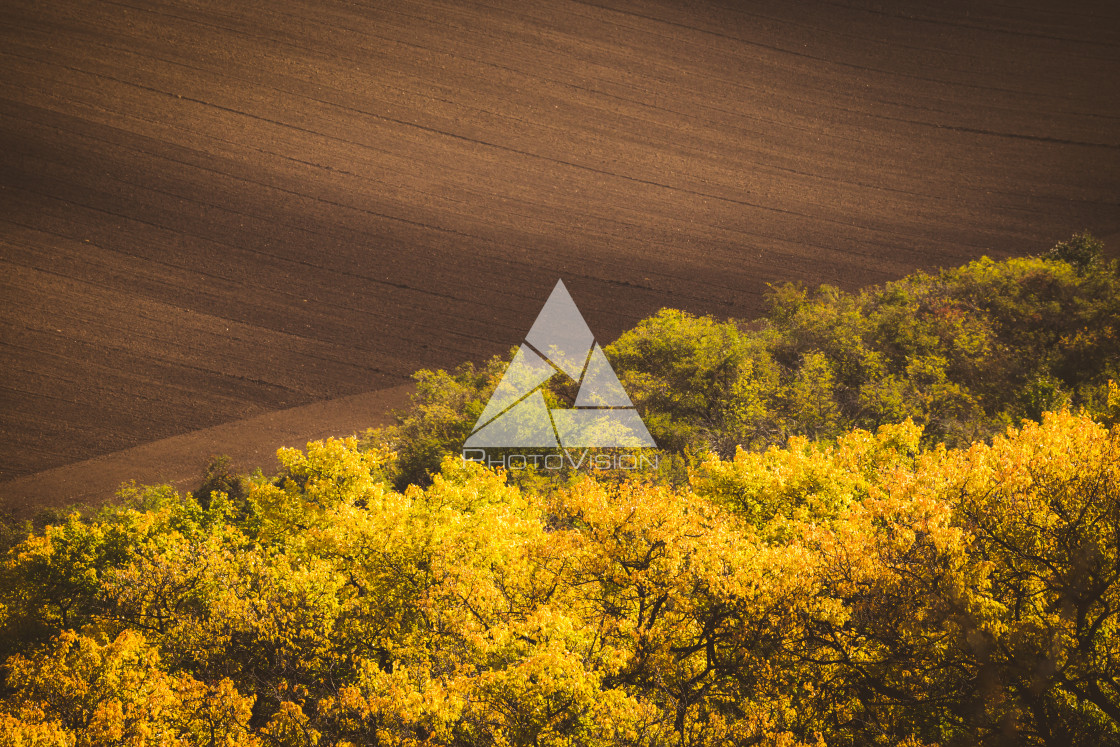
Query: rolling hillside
pixel 209 211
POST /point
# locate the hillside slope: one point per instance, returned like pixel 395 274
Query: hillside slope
pixel 211 211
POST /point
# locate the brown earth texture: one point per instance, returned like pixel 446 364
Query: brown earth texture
pixel 229 226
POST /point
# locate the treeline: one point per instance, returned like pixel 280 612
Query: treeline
pixel 886 562
pixel 964 353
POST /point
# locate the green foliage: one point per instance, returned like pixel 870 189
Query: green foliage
pixel 444 409
pixel 964 353
pixel 1083 252
pixel 218 477
pixel 698 382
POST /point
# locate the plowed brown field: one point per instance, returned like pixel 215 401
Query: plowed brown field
pixel 212 210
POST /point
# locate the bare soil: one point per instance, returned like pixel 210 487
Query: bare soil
pixel 210 211
pixel 180 460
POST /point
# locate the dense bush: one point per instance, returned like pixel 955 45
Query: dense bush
pixel 965 353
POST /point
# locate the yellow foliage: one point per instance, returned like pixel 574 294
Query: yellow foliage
pixel 80 692
pixel 860 592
